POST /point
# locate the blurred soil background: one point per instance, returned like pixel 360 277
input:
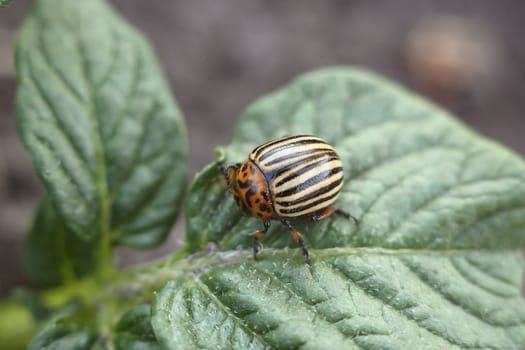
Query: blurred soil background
pixel 219 56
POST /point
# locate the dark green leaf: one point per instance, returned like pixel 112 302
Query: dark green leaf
pixel 434 263
pixel 134 330
pixel 59 336
pixel 71 328
pixel 95 113
pixel 54 255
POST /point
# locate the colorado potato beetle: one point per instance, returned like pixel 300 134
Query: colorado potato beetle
pixel 297 176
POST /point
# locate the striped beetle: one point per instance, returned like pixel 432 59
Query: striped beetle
pixel 297 176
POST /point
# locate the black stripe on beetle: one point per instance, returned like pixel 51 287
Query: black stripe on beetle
pixel 258 150
pixel 317 193
pixel 244 184
pixel 301 170
pixel 298 166
pixel 315 179
pixel 283 148
pixel 293 155
pixel 251 192
pixel 310 205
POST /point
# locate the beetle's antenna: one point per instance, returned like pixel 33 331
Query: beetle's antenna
pixel 226 170
pixel 222 168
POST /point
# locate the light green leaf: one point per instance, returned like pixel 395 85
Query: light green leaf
pixel 434 263
pixel 95 113
pixel 414 176
pixel 17 325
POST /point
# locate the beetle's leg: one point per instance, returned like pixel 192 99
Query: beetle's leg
pixel 333 210
pixel 299 239
pixel 326 213
pixel 258 235
pixel 346 214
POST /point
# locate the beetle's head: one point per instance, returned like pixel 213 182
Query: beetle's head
pixel 249 189
pixel 230 173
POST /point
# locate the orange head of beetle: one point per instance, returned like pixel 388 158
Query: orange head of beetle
pixel 249 188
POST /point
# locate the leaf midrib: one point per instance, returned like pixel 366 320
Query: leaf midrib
pixel 200 263
pixel 101 181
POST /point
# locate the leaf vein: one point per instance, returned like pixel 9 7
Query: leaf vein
pixel 70 88
pixel 432 331
pixel 495 276
pixel 59 123
pixel 120 115
pixel 298 297
pixel 436 145
pixel 473 281
pixel 425 205
pixel 114 54
pixel 44 143
pixel 137 154
pixel 490 216
pixel 239 321
pixel 388 188
pixel 101 172
pixel 454 302
pixel 149 196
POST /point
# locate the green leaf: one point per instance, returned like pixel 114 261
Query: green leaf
pixel 65 336
pixel 134 332
pixel 105 136
pixel 351 298
pixel 55 255
pixel 434 263
pixel 414 176
pixel 4 3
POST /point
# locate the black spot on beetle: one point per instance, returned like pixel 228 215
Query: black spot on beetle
pixel 248 194
pixel 257 201
pixel 264 208
pixel 244 184
pixel 266 196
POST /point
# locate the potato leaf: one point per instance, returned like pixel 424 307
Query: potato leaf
pixel 96 115
pixel 55 255
pixel 434 263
